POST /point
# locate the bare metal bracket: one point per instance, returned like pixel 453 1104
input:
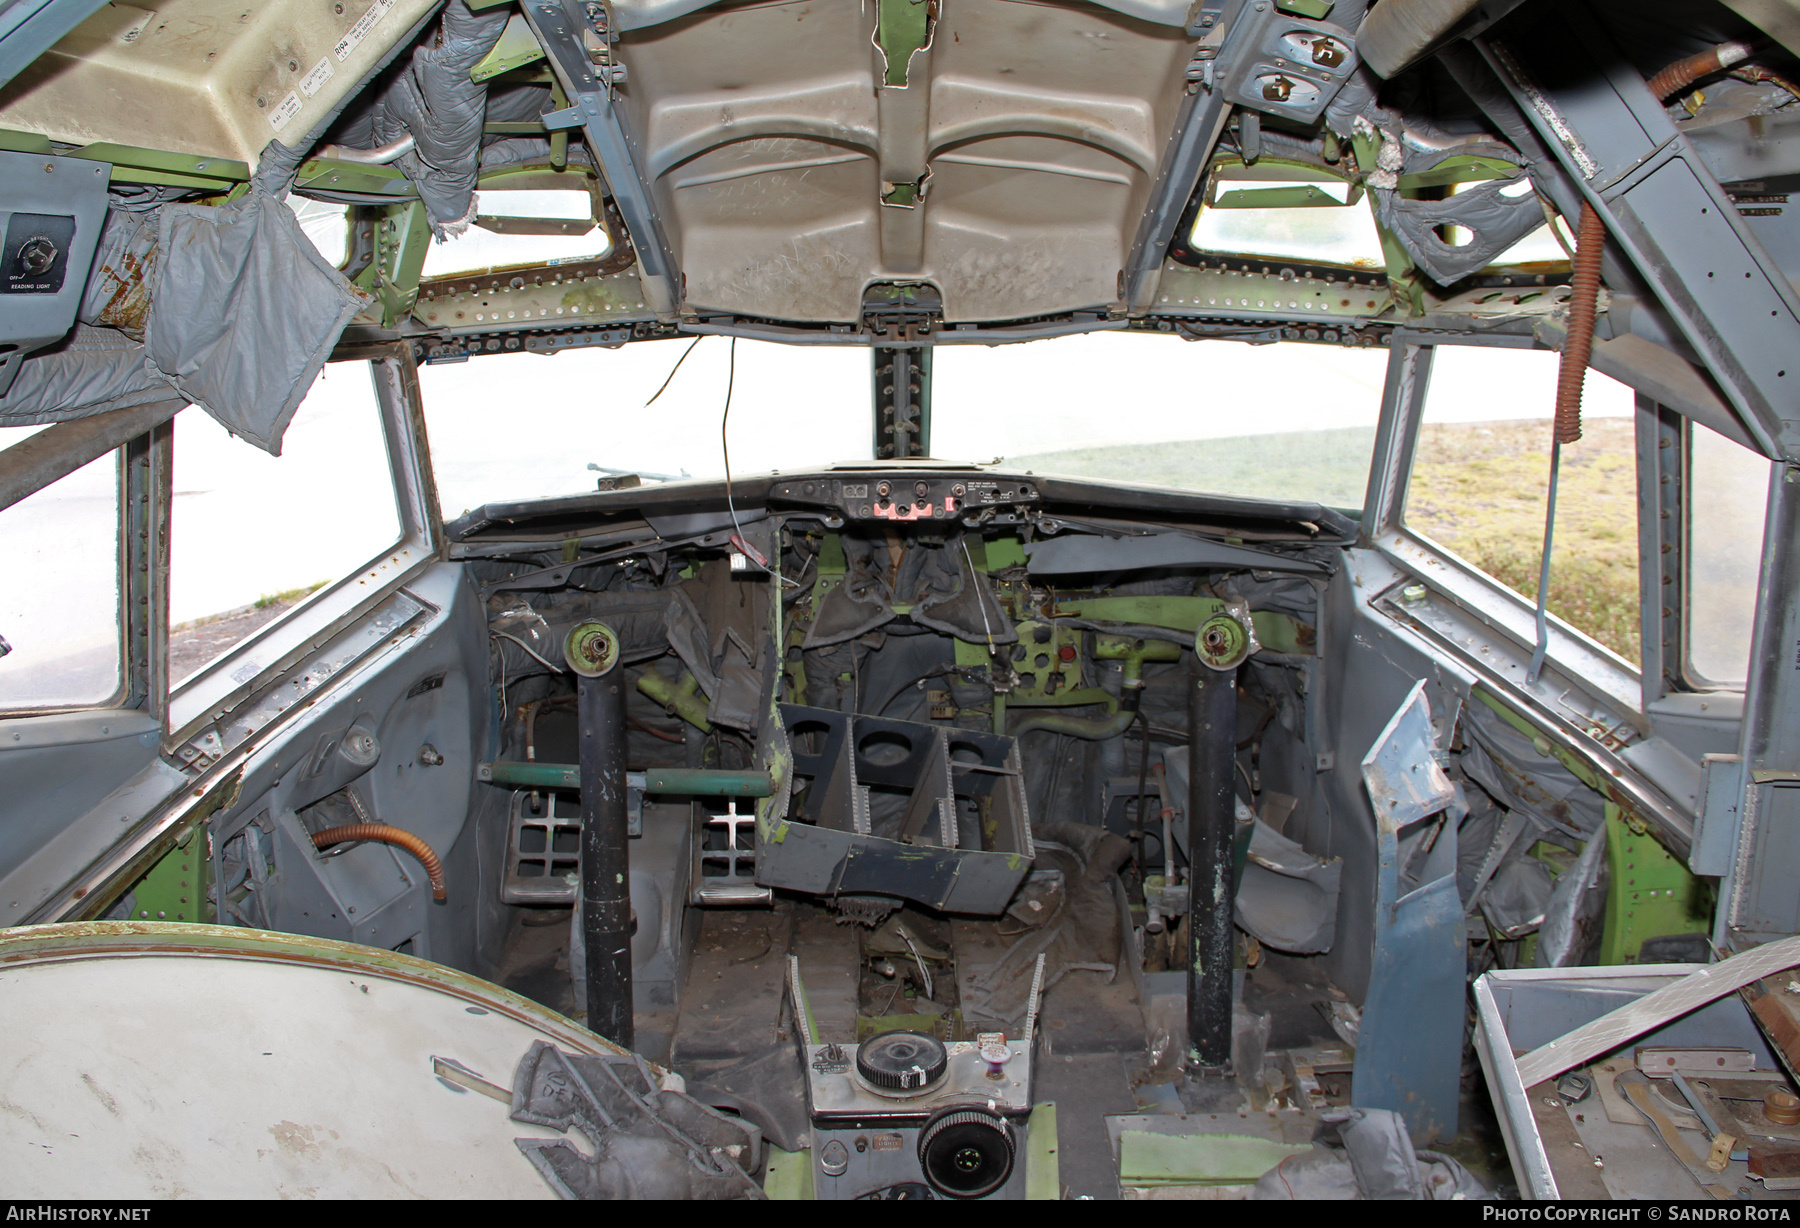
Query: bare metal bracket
pixel 577 40
pixel 1410 1059
pixel 1669 214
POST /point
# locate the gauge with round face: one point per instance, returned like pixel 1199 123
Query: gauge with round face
pixel 967 1153
pixel 902 1061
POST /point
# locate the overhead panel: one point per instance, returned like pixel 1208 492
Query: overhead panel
pixel 205 77
pixel 1005 161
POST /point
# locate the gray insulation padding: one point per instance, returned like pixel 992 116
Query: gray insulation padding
pixel 1495 223
pixel 234 307
pixel 1288 898
pixel 244 312
pixel 1505 762
pixel 1575 915
pixel 93 371
pixel 434 100
pixel 1398 30
pixel 118 290
pixel 1377 1162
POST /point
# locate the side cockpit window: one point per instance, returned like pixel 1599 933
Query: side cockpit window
pixel 1289 212
pixel 527 225
pixel 1480 480
pixel 61 617
pixel 253 535
pixel 1728 489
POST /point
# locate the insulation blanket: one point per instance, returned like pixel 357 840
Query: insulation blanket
pixel 242 313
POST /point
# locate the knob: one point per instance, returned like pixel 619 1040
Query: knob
pixel 37 254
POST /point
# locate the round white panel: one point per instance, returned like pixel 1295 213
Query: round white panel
pixel 199 1061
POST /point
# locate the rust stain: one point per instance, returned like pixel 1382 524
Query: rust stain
pixel 296 1140
pixel 128 295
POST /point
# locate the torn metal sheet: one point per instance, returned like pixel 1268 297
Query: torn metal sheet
pixel 1287 897
pixel 1410 1055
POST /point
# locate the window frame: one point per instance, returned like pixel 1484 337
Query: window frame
pixel 131 618
pixel 1498 626
pixel 1276 169
pixel 1679 548
pixel 223 687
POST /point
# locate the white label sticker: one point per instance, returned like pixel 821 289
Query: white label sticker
pixel 368 21
pixel 315 80
pixel 285 110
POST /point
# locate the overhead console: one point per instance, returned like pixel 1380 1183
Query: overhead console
pixel 984 498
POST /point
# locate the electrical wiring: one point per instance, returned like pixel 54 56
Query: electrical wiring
pixel 672 370
pixel 504 635
pixel 725 450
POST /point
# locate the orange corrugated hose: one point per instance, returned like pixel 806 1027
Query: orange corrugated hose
pixel 434 869
pixel 1683 73
pixel 1585 292
pixel 1591 237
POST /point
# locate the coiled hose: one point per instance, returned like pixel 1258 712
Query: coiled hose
pixel 1683 73
pixel 1589 240
pixel 434 869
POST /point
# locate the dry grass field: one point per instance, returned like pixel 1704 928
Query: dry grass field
pixel 1478 489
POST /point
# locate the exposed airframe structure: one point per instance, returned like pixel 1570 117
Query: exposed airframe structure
pixel 909 800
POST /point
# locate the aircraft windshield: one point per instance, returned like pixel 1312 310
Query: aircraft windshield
pixel 1292 422
pixel 532 426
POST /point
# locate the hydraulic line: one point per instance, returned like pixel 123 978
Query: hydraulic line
pixel 380 155
pixel 1577 347
pixel 1137 815
pixel 1757 74
pixel 1682 73
pixel 1154 923
pixel 434 869
pixel 1585 293
pixel 1091 729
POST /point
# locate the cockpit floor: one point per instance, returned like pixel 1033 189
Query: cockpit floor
pixel 1102 1049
